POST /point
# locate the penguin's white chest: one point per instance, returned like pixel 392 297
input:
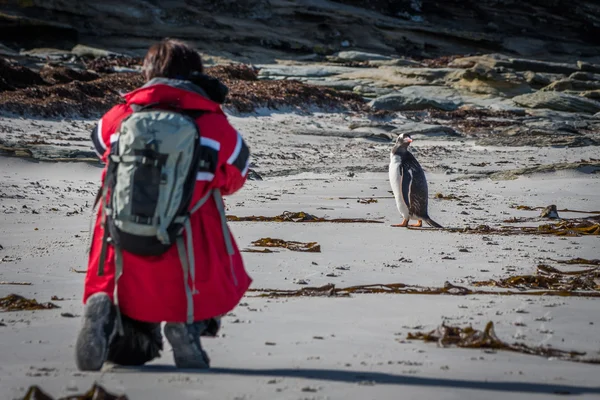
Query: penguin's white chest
pixel 396 183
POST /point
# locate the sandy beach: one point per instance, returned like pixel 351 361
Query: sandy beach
pixel 325 347
pixel 502 100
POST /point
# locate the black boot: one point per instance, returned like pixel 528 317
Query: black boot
pixel 185 340
pixel 91 348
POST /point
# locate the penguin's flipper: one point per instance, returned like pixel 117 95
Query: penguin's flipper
pixel 406 183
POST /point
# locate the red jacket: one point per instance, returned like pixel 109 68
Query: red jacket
pixel 152 289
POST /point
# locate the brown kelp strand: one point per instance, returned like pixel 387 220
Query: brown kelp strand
pixel 441 196
pixel 310 247
pixel 578 227
pixel 528 208
pixel 301 216
pixel 330 290
pixel 267 251
pixel 470 338
pixel 14 302
pixel 95 393
pixel 367 200
pixel 577 260
pixel 550 278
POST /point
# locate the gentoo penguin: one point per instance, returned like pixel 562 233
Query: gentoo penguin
pixel 409 184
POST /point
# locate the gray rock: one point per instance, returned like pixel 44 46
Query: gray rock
pixel 126 69
pixel 587 67
pixel 521 64
pixel 357 56
pixel 538 80
pixel 418 128
pixel 557 101
pixel 47 53
pixel 516 64
pixel 371 91
pixel 545 114
pixel 372 124
pixel 360 133
pixel 7 51
pixel 591 94
pixel 572 84
pixel 337 84
pixel 253 175
pixel 291 71
pixel 86 51
pixel 483 79
pixel 396 62
pixel 416 98
pixel 585 76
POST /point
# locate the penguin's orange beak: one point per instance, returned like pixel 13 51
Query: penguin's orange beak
pixel 408 140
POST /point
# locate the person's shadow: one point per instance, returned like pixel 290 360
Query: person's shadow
pixel 377 378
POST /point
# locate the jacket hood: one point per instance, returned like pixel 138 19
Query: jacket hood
pixel 186 94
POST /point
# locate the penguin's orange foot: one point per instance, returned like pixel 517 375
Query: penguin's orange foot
pixel 402 225
pixel 418 224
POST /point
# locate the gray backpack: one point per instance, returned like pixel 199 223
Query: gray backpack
pixel 150 180
pixel 148 188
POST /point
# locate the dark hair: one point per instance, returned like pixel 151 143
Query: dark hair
pixel 171 59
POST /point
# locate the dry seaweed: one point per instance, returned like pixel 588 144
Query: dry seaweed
pixel 330 290
pixel 257 251
pixel 107 64
pixel 441 196
pixel 516 220
pixel 310 247
pixel 528 208
pixel 360 198
pixel 15 283
pixel 56 74
pixel 14 77
pixel 301 216
pixel 441 62
pixel 246 96
pixel 74 98
pixel 233 72
pixel 549 278
pixel 366 200
pixel 14 302
pixel 470 338
pixel 85 93
pixel 573 227
pixel 578 261
pixel 97 392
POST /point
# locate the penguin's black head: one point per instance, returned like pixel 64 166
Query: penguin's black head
pixel 402 142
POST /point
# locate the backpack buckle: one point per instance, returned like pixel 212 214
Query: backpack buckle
pixel 141 220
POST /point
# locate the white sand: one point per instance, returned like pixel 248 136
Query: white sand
pixel 325 348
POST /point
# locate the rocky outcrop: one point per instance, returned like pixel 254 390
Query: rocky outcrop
pixel 414 98
pixel 266 29
pixel 558 101
pixel 483 79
